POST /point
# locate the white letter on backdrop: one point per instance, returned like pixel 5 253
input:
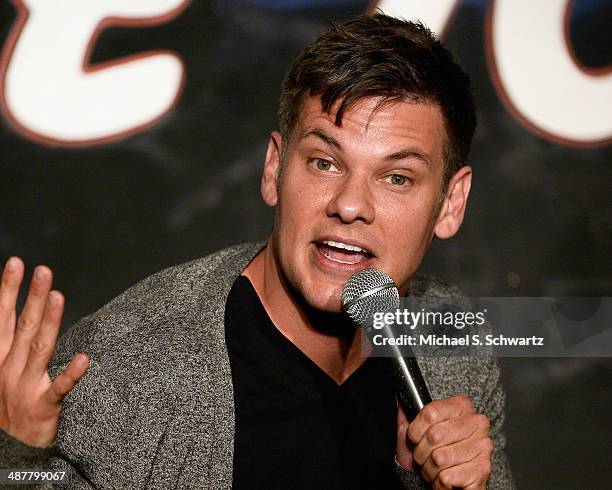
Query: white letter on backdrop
pixel 52 95
pixel 531 59
pixel 435 14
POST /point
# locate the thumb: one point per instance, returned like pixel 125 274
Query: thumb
pixel 68 378
pixel 403 448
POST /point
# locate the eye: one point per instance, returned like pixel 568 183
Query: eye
pixel 324 165
pixel 398 180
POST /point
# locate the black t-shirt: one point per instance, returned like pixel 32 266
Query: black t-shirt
pixel 295 427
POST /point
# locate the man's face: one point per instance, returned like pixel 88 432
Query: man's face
pixel 362 195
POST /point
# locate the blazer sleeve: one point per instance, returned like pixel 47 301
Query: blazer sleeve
pixel 16 455
pixel 493 405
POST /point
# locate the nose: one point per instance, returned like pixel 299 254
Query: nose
pixel 352 201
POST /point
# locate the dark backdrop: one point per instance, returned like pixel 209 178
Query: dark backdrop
pixel 539 221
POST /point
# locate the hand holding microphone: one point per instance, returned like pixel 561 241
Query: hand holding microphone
pixel 444 437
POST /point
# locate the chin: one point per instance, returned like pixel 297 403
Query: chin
pixel 329 301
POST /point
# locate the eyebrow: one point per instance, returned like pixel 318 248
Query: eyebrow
pixel 407 153
pixel 410 153
pixel 326 137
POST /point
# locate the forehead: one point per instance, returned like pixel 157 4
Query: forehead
pixel 379 127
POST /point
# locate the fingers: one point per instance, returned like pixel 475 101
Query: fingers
pixel 12 276
pixel 436 412
pixel 437 485
pixel 29 321
pixel 30 402
pixel 472 475
pixel 68 378
pixel 451 444
pixel 43 345
pixel 455 455
pixel 448 432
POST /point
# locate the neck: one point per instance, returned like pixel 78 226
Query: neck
pixel 329 339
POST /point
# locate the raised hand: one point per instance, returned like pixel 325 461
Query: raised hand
pixel 30 402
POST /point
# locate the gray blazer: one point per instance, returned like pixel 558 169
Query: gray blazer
pixel 155 409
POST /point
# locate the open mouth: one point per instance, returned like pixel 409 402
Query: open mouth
pixel 343 253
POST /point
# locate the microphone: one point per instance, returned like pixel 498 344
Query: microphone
pixel 369 291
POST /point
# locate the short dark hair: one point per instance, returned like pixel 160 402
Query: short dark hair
pixel 382 56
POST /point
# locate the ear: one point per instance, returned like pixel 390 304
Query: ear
pixel 269 178
pixel 453 208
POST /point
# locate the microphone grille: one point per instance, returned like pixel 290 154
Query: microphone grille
pixel 367 292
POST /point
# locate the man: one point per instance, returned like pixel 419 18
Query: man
pixel 239 369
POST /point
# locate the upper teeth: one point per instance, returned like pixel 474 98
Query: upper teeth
pixel 352 248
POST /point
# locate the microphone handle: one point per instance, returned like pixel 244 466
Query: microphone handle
pixel 410 387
